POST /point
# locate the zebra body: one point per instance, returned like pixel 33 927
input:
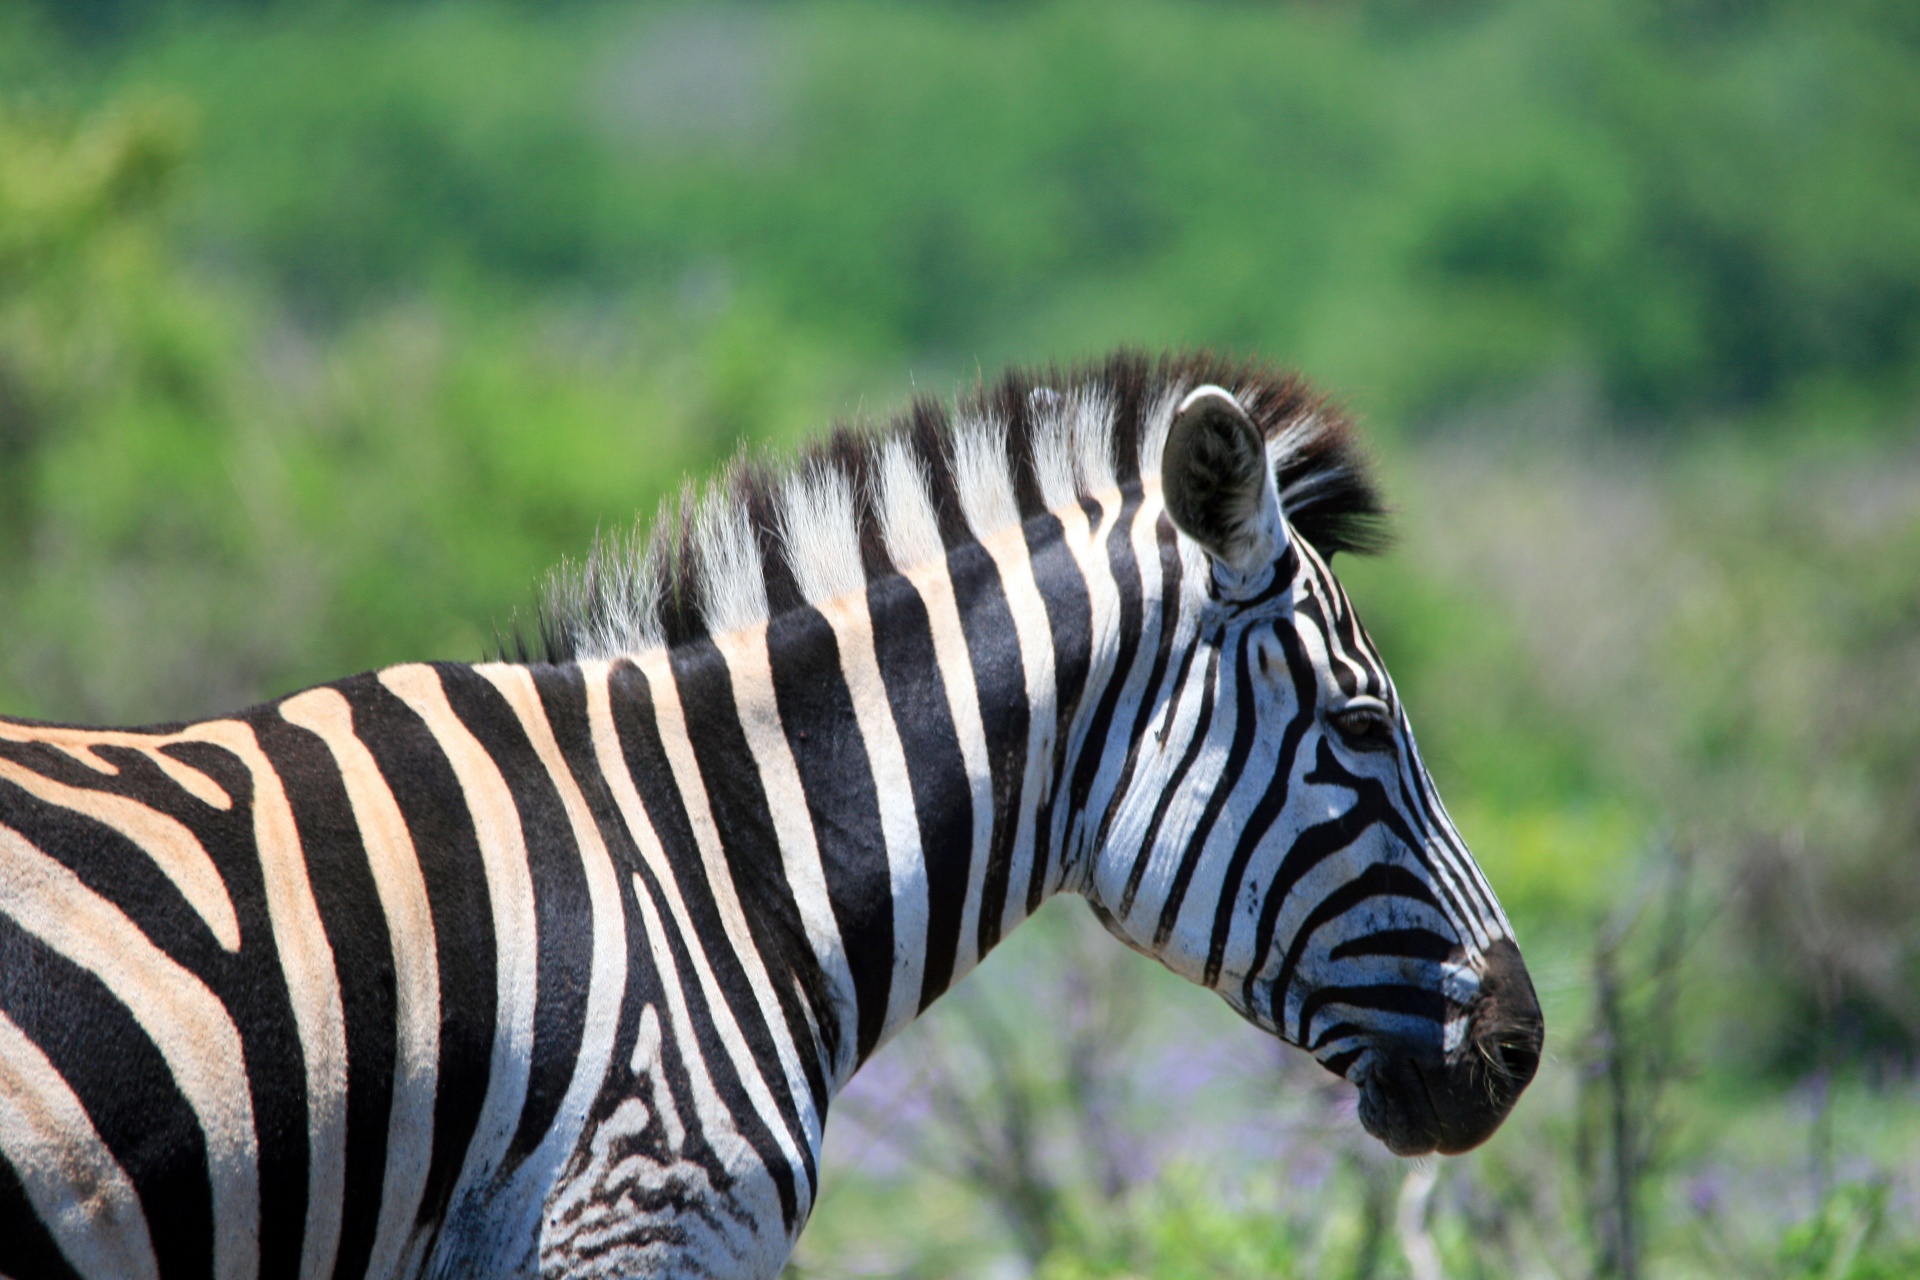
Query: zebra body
pixel 553 967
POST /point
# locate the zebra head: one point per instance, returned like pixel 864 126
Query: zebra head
pixel 1278 839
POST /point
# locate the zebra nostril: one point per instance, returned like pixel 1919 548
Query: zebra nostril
pixel 1507 1026
pixel 1516 1061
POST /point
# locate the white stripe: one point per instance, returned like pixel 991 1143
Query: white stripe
pixel 402 889
pixel 717 1128
pixel 1307 804
pixel 78 1190
pixel 503 855
pixel 607 985
pixel 1100 796
pixel 1094 418
pixel 1056 462
pixel 1157 421
pixel 80 744
pixel 676 740
pixel 1088 547
pixel 748 664
pixel 312 983
pixel 614 768
pixel 1154 777
pixel 912 533
pixel 986 496
pixel 175 850
pixel 184 1019
pixel 906 866
pixel 1008 550
pixel 1454 848
pixel 931 580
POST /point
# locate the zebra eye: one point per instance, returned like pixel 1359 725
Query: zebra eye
pixel 1364 724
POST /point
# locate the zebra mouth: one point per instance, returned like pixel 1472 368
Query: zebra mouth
pixel 1397 1107
pixel 1417 1100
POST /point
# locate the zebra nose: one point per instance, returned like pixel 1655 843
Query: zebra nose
pixel 1506 1031
pixel 1417 1099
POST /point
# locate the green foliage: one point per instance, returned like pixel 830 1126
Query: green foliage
pixel 1845 1240
pixel 1700 211
pixel 326 328
pixel 205 502
pixel 1183 1230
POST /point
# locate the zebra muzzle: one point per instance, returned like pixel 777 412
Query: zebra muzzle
pixel 1417 1099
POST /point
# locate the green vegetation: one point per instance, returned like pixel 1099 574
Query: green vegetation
pixel 325 329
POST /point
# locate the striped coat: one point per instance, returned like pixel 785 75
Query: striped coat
pixel 553 966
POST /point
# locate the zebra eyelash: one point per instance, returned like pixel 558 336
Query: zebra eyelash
pixel 1364 724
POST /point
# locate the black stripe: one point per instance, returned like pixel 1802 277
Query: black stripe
pixel 1308 606
pixel 1000 677
pixel 1150 698
pixel 816 710
pixel 563 693
pixel 1272 802
pixel 1202 726
pixel 260 1008
pixel 27 1250
pixel 1464 900
pixel 1124 569
pixel 126 1088
pixel 1245 723
pixel 738 803
pixel 728 1081
pixel 563 965
pixel 1319 842
pixel 1069 609
pixel 1341 1063
pixel 563 696
pixel 635 721
pixel 1007 400
pixel 435 810
pixel 1473 900
pixel 937 772
pixel 1355 644
pixel 1278 585
pixel 115 868
pixel 1127 374
pixel 1340 1031
pixel 755 490
pixel 1379 880
pixel 1385 997
pixel 356 928
pixel 929 436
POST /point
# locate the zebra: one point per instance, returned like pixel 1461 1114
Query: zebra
pixel 552 964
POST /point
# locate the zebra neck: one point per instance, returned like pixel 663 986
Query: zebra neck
pixel 894 778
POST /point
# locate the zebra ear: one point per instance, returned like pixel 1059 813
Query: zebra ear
pixel 1217 483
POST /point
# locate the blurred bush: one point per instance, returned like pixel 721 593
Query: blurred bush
pixel 326 328
pixel 203 501
pixel 1702 205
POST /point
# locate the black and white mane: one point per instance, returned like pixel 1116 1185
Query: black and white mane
pixel 764 537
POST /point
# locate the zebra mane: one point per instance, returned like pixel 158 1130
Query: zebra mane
pixel 865 501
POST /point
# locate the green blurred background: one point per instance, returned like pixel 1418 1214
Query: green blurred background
pixel 327 328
